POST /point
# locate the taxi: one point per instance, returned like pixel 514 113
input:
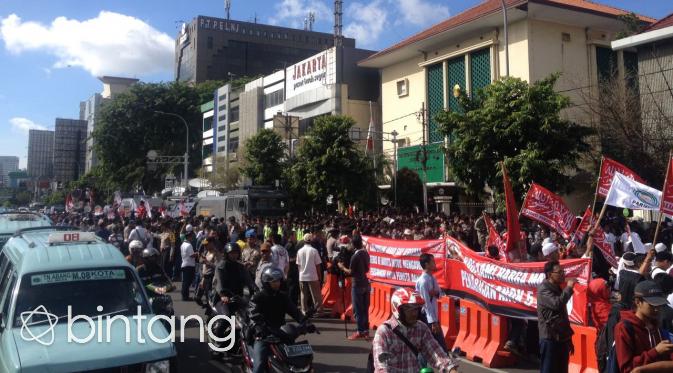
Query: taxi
pixel 71 303
pixel 11 221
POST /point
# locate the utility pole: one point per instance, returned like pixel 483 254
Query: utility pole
pixel 394 134
pixel 424 158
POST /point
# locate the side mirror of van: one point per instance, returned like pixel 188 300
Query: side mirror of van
pixel 241 205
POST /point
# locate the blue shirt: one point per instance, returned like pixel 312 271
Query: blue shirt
pixel 425 285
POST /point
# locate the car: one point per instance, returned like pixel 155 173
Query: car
pixel 58 287
pixel 10 222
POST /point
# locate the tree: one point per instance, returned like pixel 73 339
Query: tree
pixel 328 163
pixel 263 156
pixel 223 176
pixel 129 126
pixel 23 197
pixel 519 123
pixel 409 189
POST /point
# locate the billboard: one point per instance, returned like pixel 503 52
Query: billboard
pixel 313 72
pixel 411 156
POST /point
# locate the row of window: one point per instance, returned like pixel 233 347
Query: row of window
pixel 274 98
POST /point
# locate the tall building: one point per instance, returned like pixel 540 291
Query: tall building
pixel 69 149
pixel 112 86
pixel 7 164
pixel 219 49
pixel 40 154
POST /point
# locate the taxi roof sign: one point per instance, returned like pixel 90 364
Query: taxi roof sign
pixel 71 237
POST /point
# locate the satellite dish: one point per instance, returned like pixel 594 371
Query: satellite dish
pixel 152 155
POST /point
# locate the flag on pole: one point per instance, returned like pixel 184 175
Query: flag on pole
pixel 546 207
pixel 69 204
pixel 627 193
pixel 603 246
pixel 370 132
pixel 608 170
pixel 513 227
pixel 494 238
pixel 667 193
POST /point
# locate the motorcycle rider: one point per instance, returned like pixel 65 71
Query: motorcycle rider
pixel 152 274
pixel 231 277
pixel 136 248
pixel 267 314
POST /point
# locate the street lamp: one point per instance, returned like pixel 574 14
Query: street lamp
pixel 186 161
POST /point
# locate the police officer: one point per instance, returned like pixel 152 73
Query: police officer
pixel 231 277
pixel 152 274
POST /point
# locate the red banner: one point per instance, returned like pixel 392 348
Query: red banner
pixel 396 262
pixel 599 238
pixel 513 227
pixel 608 169
pixel 667 192
pixel 548 208
pixel 510 289
pixel 494 238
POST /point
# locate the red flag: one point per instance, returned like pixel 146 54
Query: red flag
pixel 548 208
pixel 513 228
pixel 599 237
pixel 494 238
pixel 608 169
pixel 69 204
pixel 667 192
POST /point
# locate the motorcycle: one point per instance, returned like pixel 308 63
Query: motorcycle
pixel 162 304
pixel 222 328
pixel 288 355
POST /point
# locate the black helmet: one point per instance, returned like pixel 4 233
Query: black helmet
pixel 150 252
pixel 271 274
pixel 231 247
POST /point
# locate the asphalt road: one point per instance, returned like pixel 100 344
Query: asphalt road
pixel 333 352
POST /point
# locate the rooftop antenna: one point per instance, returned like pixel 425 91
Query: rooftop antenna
pixel 338 23
pixel 227 7
pixel 255 17
pixel 311 20
pixel 306 24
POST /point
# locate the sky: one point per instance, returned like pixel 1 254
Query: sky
pixel 51 51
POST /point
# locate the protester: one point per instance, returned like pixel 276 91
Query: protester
pixel 264 262
pixel 428 288
pixel 188 267
pixel 358 269
pixel 598 296
pixel 553 323
pixel 309 264
pixel 279 255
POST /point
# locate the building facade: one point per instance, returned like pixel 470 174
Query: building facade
pixel 211 48
pixel 467 52
pixel 7 164
pixel 90 109
pixel 40 154
pixel 70 138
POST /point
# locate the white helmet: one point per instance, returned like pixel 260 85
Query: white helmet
pixel 403 296
pixel 136 247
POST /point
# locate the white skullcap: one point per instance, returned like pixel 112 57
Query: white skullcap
pixel 549 248
pixel 660 247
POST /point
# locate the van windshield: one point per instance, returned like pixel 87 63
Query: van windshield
pixel 85 291
pixel 21 217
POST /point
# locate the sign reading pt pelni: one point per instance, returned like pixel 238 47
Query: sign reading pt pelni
pixel 411 158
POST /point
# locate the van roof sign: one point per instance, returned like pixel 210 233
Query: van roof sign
pixel 70 237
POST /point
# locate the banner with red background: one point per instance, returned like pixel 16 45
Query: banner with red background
pixel 546 207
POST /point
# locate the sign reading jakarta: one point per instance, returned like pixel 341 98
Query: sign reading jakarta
pixel 311 73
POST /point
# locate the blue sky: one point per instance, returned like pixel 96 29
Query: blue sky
pixel 52 50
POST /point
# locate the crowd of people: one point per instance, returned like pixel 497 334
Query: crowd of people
pixel 631 306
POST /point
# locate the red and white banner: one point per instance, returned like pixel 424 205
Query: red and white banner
pixel 510 289
pixel 494 238
pixel 396 262
pixel 667 192
pixel 513 226
pixel 546 207
pixel 599 237
pixel 608 170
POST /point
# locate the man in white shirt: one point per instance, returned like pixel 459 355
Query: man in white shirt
pixel 308 261
pixel 188 263
pixel 141 234
pixel 279 255
pixel 428 288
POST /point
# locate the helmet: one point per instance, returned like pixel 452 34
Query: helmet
pixel 136 246
pixel 402 297
pixel 250 233
pixel 231 247
pixel 344 240
pixel 271 274
pixel 150 252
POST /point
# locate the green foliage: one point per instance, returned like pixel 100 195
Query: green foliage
pixel 263 156
pixel 632 25
pixel 206 90
pixel 519 123
pixel 129 127
pixel 328 163
pixel 409 190
pixel 55 198
pixel 23 198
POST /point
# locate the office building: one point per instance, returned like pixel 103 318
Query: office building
pixel 69 149
pixel 89 111
pixel 210 48
pixel 7 164
pixel 40 154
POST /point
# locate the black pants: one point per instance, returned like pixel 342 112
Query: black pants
pixel 554 356
pixel 207 285
pixel 188 275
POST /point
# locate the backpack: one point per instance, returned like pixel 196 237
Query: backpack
pixel 606 339
pixel 611 365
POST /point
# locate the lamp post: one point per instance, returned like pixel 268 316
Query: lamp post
pixel 186 160
pixel 394 134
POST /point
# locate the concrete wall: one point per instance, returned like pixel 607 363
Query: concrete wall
pixel 251 113
pixel 655 67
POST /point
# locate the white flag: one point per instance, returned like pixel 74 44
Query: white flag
pixel 628 193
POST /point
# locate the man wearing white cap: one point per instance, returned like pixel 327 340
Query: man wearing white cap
pixel 550 251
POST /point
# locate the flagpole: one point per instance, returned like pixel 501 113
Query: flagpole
pixel 661 214
pixel 600 217
pixel 598 183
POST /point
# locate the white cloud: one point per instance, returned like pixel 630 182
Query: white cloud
pixel 291 13
pixel 109 44
pixel 366 22
pixel 23 125
pixel 422 12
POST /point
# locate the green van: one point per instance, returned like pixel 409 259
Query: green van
pixel 69 302
pixel 12 221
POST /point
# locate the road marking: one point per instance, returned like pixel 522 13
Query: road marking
pixel 481 366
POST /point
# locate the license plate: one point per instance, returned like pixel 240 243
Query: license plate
pixel 298 350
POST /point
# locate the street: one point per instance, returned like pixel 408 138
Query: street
pixel 333 352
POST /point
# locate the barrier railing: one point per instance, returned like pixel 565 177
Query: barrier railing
pixel 584 359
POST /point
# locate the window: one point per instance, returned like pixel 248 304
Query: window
pixel 402 88
pixel 356 134
pixel 6 297
pixel 222 97
pixel 274 98
pixel 222 117
pixel 222 107
pixel 207 124
pixel 233 116
pixel 221 138
pixel 207 151
pixel 606 63
pixel 221 148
